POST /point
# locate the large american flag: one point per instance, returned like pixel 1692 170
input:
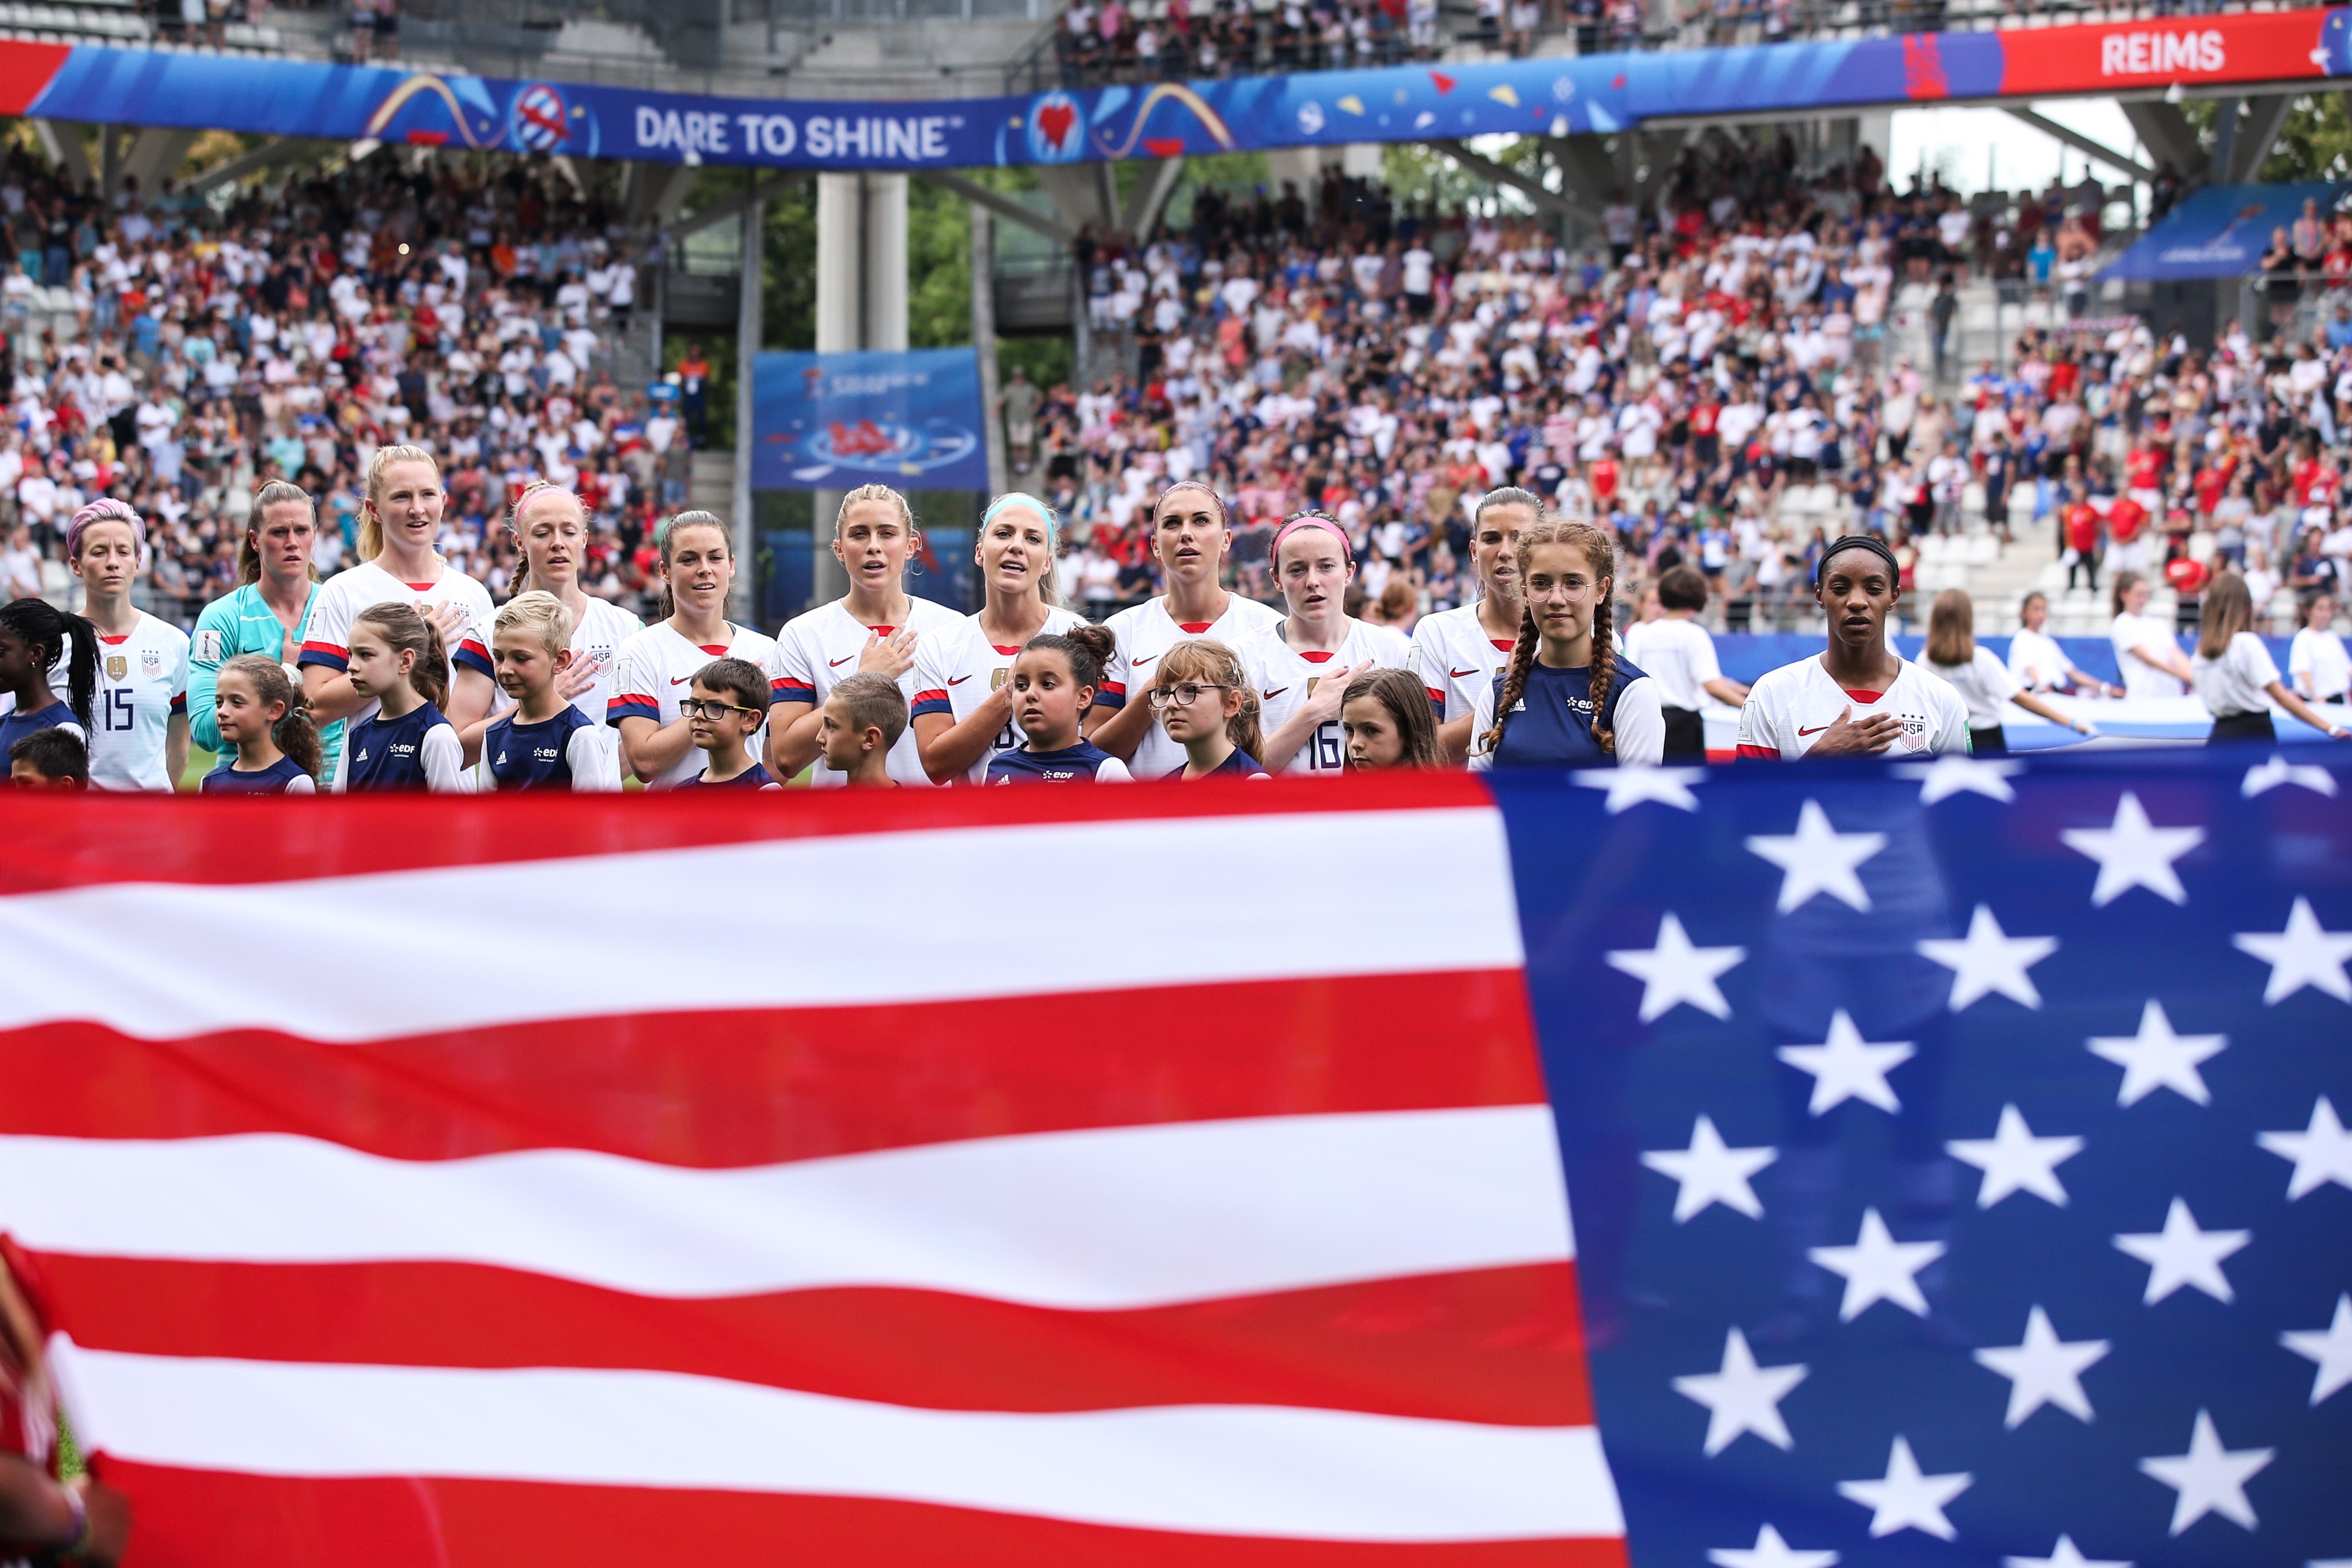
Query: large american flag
pixel 1167 1177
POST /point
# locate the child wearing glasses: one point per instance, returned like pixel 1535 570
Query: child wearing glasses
pixel 1206 704
pixel 544 741
pixel 728 704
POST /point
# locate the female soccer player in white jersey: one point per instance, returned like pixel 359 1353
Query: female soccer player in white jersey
pixel 877 628
pixel 653 673
pixel 1302 664
pixel 1456 651
pixel 550 529
pixel 399 520
pixel 963 712
pixel 1858 698
pixel 1568 698
pixel 141 739
pixel 1192 536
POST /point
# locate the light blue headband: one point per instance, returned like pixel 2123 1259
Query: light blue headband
pixel 1022 498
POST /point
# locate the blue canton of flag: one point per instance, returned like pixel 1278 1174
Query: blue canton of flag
pixel 1957 1152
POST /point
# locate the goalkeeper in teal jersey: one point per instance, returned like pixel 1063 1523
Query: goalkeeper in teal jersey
pixel 265 613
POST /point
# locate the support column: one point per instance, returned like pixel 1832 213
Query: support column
pixel 983 343
pixel 745 540
pixel 861 303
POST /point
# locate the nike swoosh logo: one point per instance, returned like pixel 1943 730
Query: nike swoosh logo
pixel 836 664
pixel 1815 730
pixel 957 680
pixel 1276 693
pixel 679 680
pixel 1140 663
pixel 1459 674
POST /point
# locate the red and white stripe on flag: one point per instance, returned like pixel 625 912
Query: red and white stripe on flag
pixel 1133 1177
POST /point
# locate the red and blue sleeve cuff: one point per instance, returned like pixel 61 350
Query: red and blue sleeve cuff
pixel 784 689
pixel 470 654
pixel 1436 703
pixel 934 701
pixel 1749 753
pixel 180 701
pixel 619 708
pixel 325 653
pixel 1111 695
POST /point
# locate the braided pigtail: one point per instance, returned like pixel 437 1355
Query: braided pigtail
pixel 1514 684
pixel 1604 670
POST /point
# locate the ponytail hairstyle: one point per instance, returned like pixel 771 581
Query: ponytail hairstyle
pixel 1210 663
pixel 1505 496
pixel 1224 518
pixel 51 634
pixel 294 732
pixel 1406 701
pixel 1049 584
pixel 248 549
pixel 371 525
pixel 530 492
pixel 878 493
pixel 665 537
pixel 1086 646
pixel 408 632
pixel 1600 555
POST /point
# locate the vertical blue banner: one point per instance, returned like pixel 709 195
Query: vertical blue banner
pixel 833 422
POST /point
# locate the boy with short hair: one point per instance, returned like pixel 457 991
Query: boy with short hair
pixel 52 758
pixel 728 704
pixel 863 720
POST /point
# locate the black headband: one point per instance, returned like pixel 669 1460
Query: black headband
pixel 1870 542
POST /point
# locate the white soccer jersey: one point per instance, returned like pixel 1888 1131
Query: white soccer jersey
pixel 327 632
pixel 1144 633
pixel 817 649
pixel 1678 654
pixel 1789 707
pixel 1284 677
pixel 142 681
pixel 1455 660
pixel 654 671
pixel 954 675
pixel 596 640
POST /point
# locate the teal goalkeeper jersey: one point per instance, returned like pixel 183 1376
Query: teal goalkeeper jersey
pixel 242 623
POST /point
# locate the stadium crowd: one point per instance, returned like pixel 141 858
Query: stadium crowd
pixel 180 354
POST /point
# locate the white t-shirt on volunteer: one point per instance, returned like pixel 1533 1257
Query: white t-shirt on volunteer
pixel 1984 683
pixel 815 650
pixel 1142 633
pixel 327 634
pixel 2142 679
pixel 955 672
pixel 2036 663
pixel 1456 659
pixel 596 640
pixel 654 671
pixel 1789 707
pixel 2238 681
pixel 1676 654
pixel 2320 654
pixel 142 681
pixel 1284 677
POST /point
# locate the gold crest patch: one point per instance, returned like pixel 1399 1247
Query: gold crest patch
pixel 117 666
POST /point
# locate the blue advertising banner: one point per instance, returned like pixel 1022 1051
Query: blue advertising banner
pixel 1550 96
pixel 2221 231
pixel 833 422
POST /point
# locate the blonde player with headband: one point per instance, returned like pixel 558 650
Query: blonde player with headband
pixel 877 628
pixel 1192 535
pixel 653 673
pixel 963 711
pixel 1303 664
pixel 399 521
pixel 1456 651
pixel 138 737
pixel 550 529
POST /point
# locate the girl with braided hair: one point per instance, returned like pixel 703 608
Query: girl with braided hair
pixel 1567 699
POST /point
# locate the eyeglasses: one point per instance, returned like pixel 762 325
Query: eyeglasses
pixel 1186 694
pixel 694 708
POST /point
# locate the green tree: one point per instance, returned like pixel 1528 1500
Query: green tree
pixel 2315 143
